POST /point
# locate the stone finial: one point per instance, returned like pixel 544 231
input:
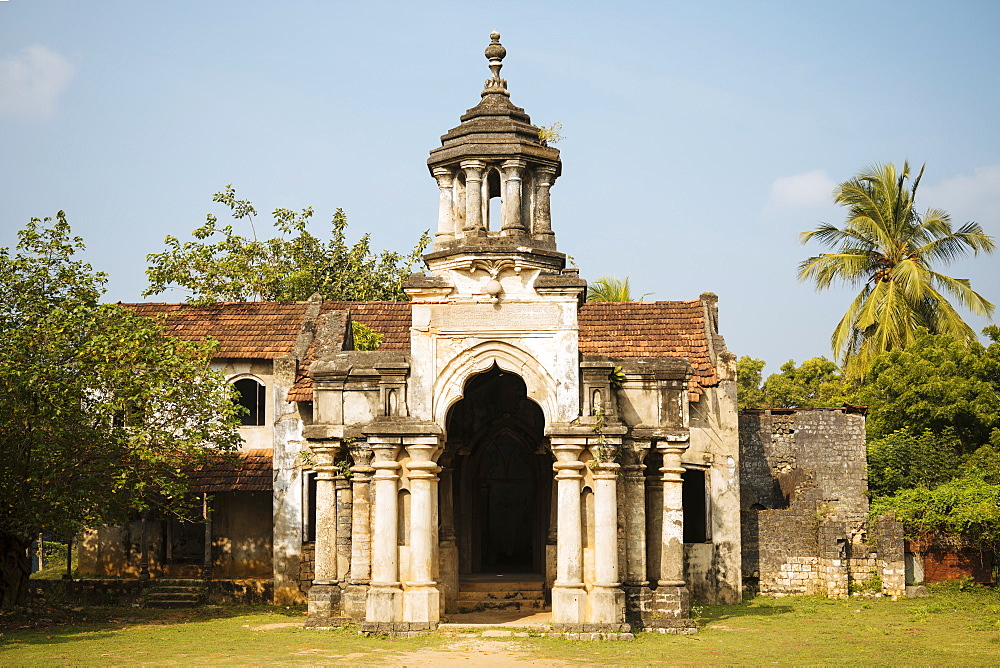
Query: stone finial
pixel 495 53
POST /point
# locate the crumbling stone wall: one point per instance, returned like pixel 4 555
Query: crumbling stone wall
pixel 803 505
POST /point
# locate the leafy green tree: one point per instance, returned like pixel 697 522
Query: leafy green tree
pixel 966 508
pixel 889 249
pixel 221 265
pixel 903 460
pixel 749 393
pixel 100 412
pixel 610 289
pixel 939 384
pixel 817 383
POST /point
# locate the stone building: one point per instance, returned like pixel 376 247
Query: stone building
pixel 804 505
pixel 508 444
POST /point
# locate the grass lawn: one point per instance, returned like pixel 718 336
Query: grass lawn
pixel 951 627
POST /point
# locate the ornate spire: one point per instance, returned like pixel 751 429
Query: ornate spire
pixel 495 54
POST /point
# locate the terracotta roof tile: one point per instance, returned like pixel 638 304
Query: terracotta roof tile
pixel 247 330
pixel 625 330
pixel 249 471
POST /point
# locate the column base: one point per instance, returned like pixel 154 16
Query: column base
pixel 669 611
pixel 448 577
pixel 422 605
pixel 355 601
pixel 384 604
pixel 607 605
pixel 325 607
pixel 569 605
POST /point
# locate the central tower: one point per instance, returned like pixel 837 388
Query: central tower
pixel 494 153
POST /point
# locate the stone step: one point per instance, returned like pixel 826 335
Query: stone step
pixel 177 582
pixel 174 595
pixel 501 595
pixel 177 590
pixel 168 603
pixel 465 605
pixel 530 585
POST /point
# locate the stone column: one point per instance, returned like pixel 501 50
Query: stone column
pixel 447 545
pixel 473 196
pixel 324 595
pixel 385 595
pixel 542 224
pixel 206 514
pixel 421 600
pixel 512 223
pixel 355 599
pixel 568 594
pixel 672 532
pixel 446 224
pixel 607 602
pixel 344 503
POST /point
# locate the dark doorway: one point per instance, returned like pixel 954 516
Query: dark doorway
pixel 502 478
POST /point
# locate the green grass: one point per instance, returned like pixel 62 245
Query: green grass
pixel 952 627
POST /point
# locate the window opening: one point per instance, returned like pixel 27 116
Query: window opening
pixel 252 399
pixel 694 497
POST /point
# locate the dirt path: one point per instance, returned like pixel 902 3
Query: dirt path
pixel 467 652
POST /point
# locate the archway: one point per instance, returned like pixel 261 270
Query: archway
pixel 502 476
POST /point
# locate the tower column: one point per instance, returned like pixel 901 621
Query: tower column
pixel 512 223
pixel 569 599
pixel 473 196
pixel 446 225
pixel 385 594
pixel 542 220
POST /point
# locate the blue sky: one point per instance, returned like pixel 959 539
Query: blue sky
pixel 700 137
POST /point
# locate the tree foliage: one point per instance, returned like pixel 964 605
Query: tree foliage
pixel 222 265
pixel 610 289
pixel 903 460
pixel 749 377
pixel 890 250
pixel 939 384
pixel 101 412
pixel 817 383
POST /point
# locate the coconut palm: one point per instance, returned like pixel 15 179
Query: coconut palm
pixel 610 289
pixel 888 248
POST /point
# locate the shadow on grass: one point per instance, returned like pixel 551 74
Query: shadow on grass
pixel 752 608
pixel 48 625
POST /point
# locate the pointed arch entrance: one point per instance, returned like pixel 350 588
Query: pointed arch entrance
pixel 502 476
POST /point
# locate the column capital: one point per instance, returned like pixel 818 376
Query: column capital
pixel 444 176
pixel 513 167
pixel 473 168
pixel 606 471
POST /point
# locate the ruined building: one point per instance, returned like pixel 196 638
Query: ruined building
pixel 508 444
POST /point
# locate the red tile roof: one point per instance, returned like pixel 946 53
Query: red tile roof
pixel 265 330
pixel 247 330
pixel 625 330
pixel 390 319
pixel 249 471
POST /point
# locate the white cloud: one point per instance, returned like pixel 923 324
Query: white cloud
pixel 967 197
pixel 811 189
pixel 31 81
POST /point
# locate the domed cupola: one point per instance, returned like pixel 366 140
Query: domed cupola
pixel 494 153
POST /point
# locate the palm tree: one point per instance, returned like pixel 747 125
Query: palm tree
pixel 610 289
pixel 889 249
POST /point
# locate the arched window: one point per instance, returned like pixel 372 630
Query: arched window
pixel 252 399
